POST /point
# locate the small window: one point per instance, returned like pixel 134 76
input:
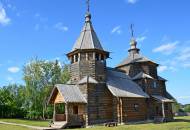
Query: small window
pixel 102 57
pixel 166 106
pixel 75 110
pixel 154 84
pixel 72 59
pixel 97 56
pixel 136 107
pixel 76 58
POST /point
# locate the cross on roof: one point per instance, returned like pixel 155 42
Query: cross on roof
pixel 88 5
pixel 132 30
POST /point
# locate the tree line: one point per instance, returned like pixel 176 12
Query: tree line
pixel 30 100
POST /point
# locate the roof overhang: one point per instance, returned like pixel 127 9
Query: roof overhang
pixel 88 50
pixel 162 99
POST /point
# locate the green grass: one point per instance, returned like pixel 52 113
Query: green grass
pixel 181 123
pixel 12 127
pixel 27 122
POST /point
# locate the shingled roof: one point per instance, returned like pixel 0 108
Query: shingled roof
pixel 135 58
pixel 121 85
pixel 70 93
pixel 87 79
pixel 88 38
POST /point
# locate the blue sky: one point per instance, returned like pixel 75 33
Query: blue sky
pixel 48 30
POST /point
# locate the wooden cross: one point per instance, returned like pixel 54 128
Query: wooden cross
pixel 88 5
pixel 132 30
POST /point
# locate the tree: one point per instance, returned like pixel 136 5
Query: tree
pixel 40 77
pixel 187 108
pixel 11 101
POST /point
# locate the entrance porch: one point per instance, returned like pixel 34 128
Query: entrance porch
pixel 69 106
pixel 162 109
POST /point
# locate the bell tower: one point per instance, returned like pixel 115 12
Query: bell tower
pixel 87 56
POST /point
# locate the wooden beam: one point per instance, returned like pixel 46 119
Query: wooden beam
pixel 79 56
pixel 121 110
pixel 66 112
pixel 86 56
pixel 54 112
pixel 163 110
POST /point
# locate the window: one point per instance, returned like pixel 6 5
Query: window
pixel 154 84
pixel 76 58
pixel 136 107
pixel 102 57
pixel 97 56
pixel 75 110
pixel 166 106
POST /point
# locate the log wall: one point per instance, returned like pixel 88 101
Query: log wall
pixel 129 111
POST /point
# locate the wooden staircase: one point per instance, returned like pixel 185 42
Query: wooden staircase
pixel 59 124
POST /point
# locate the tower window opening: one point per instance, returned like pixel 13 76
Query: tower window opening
pixel 97 56
pixel 72 59
pixel 102 57
pixel 76 58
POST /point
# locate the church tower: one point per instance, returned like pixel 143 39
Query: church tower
pixel 136 63
pixel 87 56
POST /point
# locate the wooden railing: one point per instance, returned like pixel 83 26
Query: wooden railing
pixel 60 117
pixel 75 118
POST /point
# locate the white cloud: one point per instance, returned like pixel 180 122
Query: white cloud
pixel 10 79
pixel 116 29
pixel 184 55
pixel 4 19
pixel 13 69
pixel 186 65
pixel 184 97
pixel 162 68
pixel 132 1
pixel 167 48
pixel 59 26
pixel 141 39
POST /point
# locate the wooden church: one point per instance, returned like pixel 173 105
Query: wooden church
pixel 96 94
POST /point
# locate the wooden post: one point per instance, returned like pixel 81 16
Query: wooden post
pixel 74 58
pixel 66 112
pixel 79 57
pixel 94 55
pixel 86 56
pixel 163 110
pixel 121 111
pixel 118 110
pixel 54 113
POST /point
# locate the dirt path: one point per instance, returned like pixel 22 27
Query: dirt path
pixel 28 126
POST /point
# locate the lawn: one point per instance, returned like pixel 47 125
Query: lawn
pixel 27 122
pixel 12 127
pixel 181 123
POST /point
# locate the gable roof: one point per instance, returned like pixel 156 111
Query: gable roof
pixel 135 58
pixel 121 85
pixel 88 38
pixel 87 79
pixel 142 75
pixel 70 93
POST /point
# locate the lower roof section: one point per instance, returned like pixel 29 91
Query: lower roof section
pixel 121 85
pixel 70 93
pixel 162 99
